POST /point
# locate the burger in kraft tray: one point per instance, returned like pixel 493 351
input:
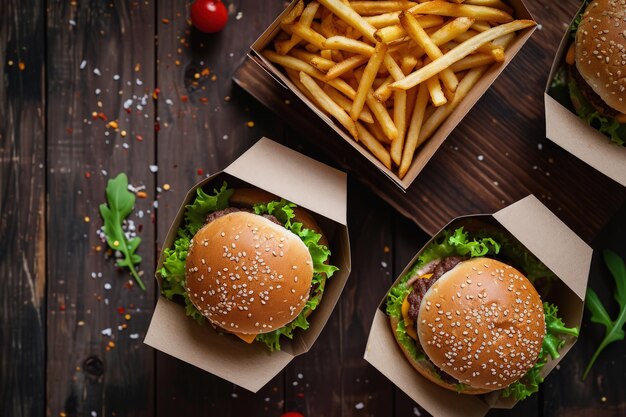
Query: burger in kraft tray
pixel 591 81
pixel 248 278
pixel 477 312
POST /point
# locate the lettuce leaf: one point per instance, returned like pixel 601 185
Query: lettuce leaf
pixel 552 343
pixel 283 211
pixel 605 124
pixel 450 243
pixel 173 270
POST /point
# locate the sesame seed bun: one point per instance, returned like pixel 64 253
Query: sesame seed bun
pixel 427 369
pixel 601 50
pixel 482 323
pixel 247 274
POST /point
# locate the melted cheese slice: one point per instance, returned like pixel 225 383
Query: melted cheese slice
pixel 246 337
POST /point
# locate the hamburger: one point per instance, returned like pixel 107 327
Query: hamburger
pixel 596 64
pixel 249 263
pixel 472 323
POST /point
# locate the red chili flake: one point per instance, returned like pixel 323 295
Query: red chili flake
pixel 139 228
pixel 165 21
pixel 69 130
pixel 121 310
pixel 157 127
pixel 129 110
pixel 87 174
pixel 155 93
pixel 205 72
pixel 102 116
pixel 139 138
pixel 62 307
pixel 204 100
pixel 300 395
pixel 200 171
pixel 184 99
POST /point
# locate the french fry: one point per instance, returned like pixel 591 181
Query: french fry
pixel 298 65
pixel 306 33
pixel 365 84
pixel 294 76
pixel 346 104
pixel 344 43
pixel 481 26
pixel 436 93
pixel 351 17
pixel 487 48
pixel 306 19
pixel 472 61
pixel 407 64
pixel 317 61
pixel 413 134
pixel 459 53
pixel 498 4
pixel 437 118
pixel 399 119
pixel 345 66
pixel 374 145
pixel 294 13
pixel 415 31
pixel 449 31
pixel 383 92
pixel 382 115
pixel 369 8
pixel 390 19
pixel 326 103
pixel 443 8
pixel 327 28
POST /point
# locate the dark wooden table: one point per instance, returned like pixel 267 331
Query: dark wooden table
pixel 68 68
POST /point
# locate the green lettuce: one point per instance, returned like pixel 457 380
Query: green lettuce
pixel 556 332
pixel 173 270
pixel 586 111
pixel 283 211
pixel 450 243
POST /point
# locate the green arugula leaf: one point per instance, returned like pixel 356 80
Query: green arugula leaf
pixel 614 329
pixel 120 203
pixel 556 332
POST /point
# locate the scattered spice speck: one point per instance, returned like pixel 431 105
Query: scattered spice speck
pixel 250 124
pixel 165 21
pixel 87 219
pixel 21 66
pixel 166 187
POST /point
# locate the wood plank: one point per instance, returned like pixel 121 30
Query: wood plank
pixel 100 55
pixel 22 213
pixel 203 130
pixel 566 394
pixel 499 152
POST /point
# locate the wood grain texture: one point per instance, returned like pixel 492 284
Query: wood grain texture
pixel 205 128
pixel 496 156
pixel 22 208
pixel 101 54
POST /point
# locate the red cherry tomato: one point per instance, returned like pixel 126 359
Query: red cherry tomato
pixel 209 16
pixel 292 414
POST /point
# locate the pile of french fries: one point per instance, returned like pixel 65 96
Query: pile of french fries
pixel 390 72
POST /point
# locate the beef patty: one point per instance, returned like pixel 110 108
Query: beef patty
pixel 421 286
pixel 593 97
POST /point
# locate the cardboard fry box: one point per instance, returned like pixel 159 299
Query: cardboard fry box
pixel 425 152
pixel 526 230
pixel 310 184
pixel 570 132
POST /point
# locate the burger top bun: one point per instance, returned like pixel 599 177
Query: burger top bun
pixel 601 50
pixel 247 274
pixel 482 322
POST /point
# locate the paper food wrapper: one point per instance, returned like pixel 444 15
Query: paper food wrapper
pixel 528 228
pixel 571 133
pixel 310 184
pixel 425 152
